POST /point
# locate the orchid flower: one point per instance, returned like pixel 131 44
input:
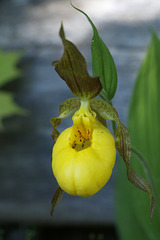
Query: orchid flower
pixel 84 154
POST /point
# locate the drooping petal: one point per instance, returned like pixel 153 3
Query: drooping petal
pixel 123 142
pixel 123 145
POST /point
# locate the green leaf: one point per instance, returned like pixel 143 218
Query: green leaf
pixel 102 63
pixel 8 62
pixel 72 68
pixel 143 125
pixel 8 107
pixel 67 108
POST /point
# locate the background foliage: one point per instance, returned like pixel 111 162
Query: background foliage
pixel 8 72
pixel 132 205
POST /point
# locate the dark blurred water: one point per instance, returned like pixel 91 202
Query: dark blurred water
pixel 26 180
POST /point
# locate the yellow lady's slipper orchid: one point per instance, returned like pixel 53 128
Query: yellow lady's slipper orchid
pixel 84 154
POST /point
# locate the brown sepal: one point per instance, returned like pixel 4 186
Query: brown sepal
pixel 72 68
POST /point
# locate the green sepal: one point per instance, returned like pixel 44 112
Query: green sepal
pixel 67 108
pixel 57 197
pixel 102 63
pixel 72 68
pixel 123 145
